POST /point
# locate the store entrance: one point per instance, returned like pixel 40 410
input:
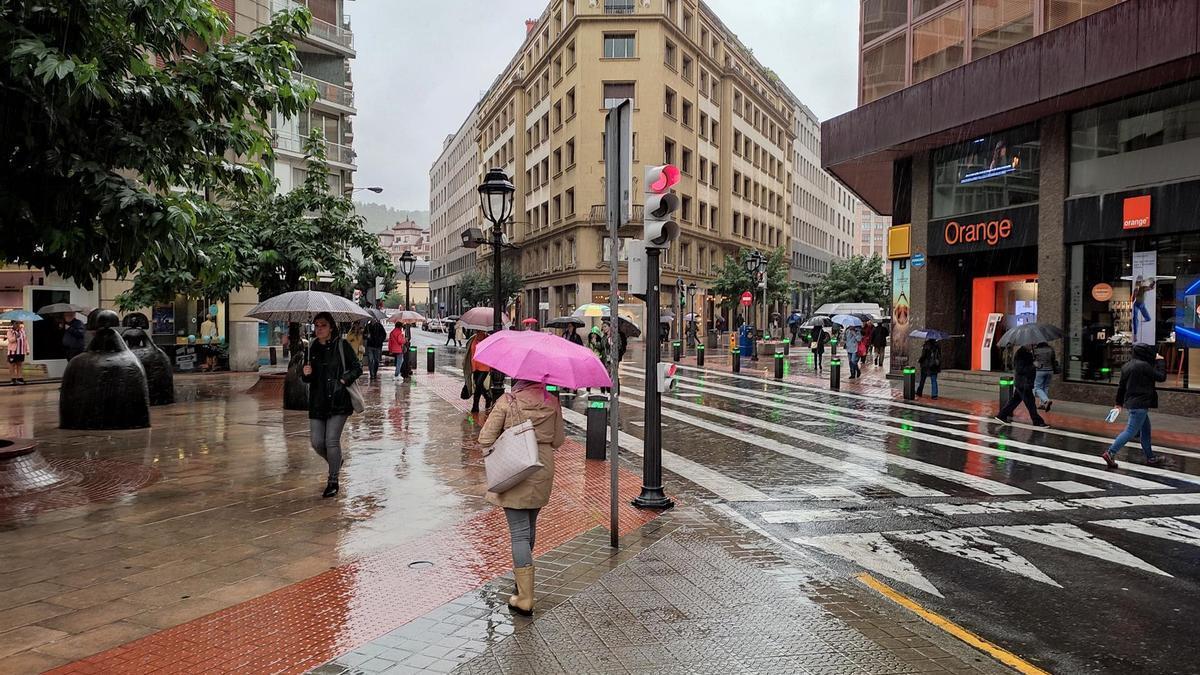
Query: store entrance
pixel 998 304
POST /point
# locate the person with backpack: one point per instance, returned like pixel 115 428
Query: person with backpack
pixel 1024 374
pixel 1046 365
pixel 820 339
pixel 930 362
pixel 330 368
pixel 373 348
pixel 879 338
pixel 1137 393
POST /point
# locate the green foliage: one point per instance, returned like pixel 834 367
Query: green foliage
pixel 475 286
pixel 733 279
pixel 108 159
pixel 393 300
pixel 856 279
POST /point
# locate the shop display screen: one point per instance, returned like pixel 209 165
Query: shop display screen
pixel 1187 312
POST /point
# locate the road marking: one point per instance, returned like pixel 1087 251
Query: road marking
pixel 717 483
pixel 1002 655
pixel 1070 486
pixel 980 508
pixel 1073 539
pixel 819 515
pixel 872 552
pixel 974 544
pixel 984 485
pixel 838 415
pixel 1171 529
pixel 1048 505
pixel 854 470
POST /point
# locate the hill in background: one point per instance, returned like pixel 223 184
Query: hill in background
pixel 380 216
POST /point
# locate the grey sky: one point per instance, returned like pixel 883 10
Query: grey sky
pixel 422 65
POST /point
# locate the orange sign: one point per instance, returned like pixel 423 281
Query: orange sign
pixel 1137 213
pixel 990 231
pixel 1102 292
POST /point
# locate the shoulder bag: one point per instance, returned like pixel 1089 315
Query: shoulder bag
pixel 356 397
pixel 514 455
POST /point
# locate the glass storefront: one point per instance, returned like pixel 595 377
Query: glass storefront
pixel 1141 289
pixel 988 173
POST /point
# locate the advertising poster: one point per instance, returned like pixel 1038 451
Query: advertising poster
pixel 1187 311
pixel 164 320
pixel 1142 295
pixel 900 311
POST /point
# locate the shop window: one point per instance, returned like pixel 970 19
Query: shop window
pixel 883 69
pixel 1147 139
pixel 938 45
pixel 996 24
pixel 1062 12
pixel 880 17
pixel 988 173
pixel 1141 290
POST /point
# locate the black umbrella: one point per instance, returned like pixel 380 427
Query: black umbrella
pixel 566 322
pixel 1031 334
pixel 627 327
pixel 823 321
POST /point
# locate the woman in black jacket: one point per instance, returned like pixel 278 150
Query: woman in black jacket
pixel 1024 374
pixel 1138 393
pixel 931 364
pixel 332 366
pixel 819 340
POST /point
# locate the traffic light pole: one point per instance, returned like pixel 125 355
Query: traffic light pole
pixel 652 496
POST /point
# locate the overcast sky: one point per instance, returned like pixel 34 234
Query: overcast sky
pixel 422 65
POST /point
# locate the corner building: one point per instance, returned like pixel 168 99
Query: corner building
pixel 1039 161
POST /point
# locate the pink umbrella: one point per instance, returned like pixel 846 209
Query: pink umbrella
pixel 542 357
pixel 479 318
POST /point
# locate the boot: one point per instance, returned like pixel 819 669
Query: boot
pixel 522 602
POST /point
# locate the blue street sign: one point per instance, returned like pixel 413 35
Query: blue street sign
pixel 918 260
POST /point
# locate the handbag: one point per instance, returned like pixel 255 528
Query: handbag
pixel 465 393
pixel 356 398
pixel 514 455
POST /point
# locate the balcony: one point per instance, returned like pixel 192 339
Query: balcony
pixel 618 7
pixel 328 91
pixel 340 37
pixel 335 153
pixel 599 215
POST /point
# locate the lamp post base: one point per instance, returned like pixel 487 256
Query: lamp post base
pixel 652 498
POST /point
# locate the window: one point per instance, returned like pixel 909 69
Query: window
pixel 668 151
pixel 713 221
pixel 615 92
pixel 996 24
pixel 988 173
pixel 704 126
pixel 703 218
pixel 703 82
pixel 686 113
pixel 570 201
pixel 685 208
pixel 883 69
pixel 557 208
pixel 571 103
pixel 712 174
pixel 571 54
pixel 1061 12
pixel 617 6
pixel 669 54
pixel 669 103
pixel 737 102
pixel 571 153
pixel 716 138
pixel 737 223
pixel 703 170
pixel 558 69
pixel 558 116
pixel 737 183
pixel 938 45
pixel 687 23
pixel 685 256
pixel 685 161
pixel 687 68
pixel 882 16
pixel 619 46
pixel 558 165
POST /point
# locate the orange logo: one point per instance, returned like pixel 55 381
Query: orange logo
pixel 988 231
pixel 1137 213
pixel 1102 292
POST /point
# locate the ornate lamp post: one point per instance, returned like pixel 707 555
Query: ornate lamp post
pixel 496 200
pixel 754 265
pixel 408 262
pixel 691 292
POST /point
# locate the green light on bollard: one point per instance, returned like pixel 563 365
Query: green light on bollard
pixel 1004 382
pixel 596 404
pixel 910 371
pixel 550 388
pixel 1106 370
pixel 412 349
pixel 429 350
pixel 778 356
pixel 699 348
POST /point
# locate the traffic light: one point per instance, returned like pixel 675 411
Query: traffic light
pixel 660 227
pixel 667 377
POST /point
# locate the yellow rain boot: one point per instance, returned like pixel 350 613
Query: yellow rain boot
pixel 522 602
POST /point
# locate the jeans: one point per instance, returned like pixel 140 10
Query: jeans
pixel 854 370
pixel 932 377
pixel 1041 385
pixel 326 438
pixel 373 356
pixel 399 361
pixel 1139 425
pixel 522 529
pixel 1022 395
pixel 879 355
pixel 1139 310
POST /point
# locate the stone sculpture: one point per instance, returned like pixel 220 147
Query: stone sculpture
pixel 104 387
pixel 160 377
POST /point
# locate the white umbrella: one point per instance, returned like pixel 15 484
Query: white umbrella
pixel 479 318
pixel 407 317
pixel 302 306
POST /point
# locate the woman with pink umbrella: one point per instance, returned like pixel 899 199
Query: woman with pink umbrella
pixel 533 360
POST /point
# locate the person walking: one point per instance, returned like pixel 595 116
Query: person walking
pixel 330 368
pixel 451 336
pixel 1137 393
pixel 209 334
pixel 572 335
pixel 18 349
pixel 1046 365
pixel 1024 374
pixel 521 503
pixel 820 339
pixel 879 338
pixel 397 342
pixel 868 330
pixel 73 335
pixel 476 374
pixel 930 362
pixel 373 346
pixel 854 340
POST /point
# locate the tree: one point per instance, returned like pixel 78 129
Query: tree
pixel 107 160
pixel 475 286
pixel 364 280
pixel 733 279
pixel 855 279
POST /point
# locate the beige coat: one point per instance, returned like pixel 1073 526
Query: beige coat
pixel 546 415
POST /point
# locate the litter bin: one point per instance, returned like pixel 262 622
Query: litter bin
pixel 597 427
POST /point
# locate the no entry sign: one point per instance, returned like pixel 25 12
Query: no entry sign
pixel 747 298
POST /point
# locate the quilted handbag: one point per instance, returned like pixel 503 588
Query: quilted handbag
pixel 514 456
pixel 356 398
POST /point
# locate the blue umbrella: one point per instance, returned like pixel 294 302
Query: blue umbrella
pixel 929 334
pixel 846 321
pixel 795 318
pixel 20 315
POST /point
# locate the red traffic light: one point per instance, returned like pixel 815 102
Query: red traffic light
pixel 659 179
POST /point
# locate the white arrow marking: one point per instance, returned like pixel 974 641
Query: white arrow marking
pixel 1071 538
pixel 972 543
pixel 872 552
pixel 1171 529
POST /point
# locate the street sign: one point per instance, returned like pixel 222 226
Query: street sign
pixel 747 298
pixel 918 260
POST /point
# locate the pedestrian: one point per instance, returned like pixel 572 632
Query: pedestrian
pixel 1046 365
pixel 450 335
pixel 330 368
pixel 477 375
pixel 868 330
pixel 73 335
pixel 854 340
pixel 1024 374
pixel 208 335
pixel 1137 394
pixel 18 349
pixel 460 335
pixel 930 362
pixel 521 503
pixel 373 346
pixel 879 337
pixel 397 343
pixel 357 341
pixel 572 335
pixel 820 339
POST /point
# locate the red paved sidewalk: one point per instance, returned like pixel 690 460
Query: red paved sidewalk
pixel 309 623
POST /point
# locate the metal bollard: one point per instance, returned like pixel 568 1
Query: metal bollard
pixel 429 359
pixel 736 356
pixel 835 374
pixel 597 427
pixel 676 351
pixel 1106 374
pixel 274 356
pixel 700 356
pixel 910 384
pixel 779 359
pixel 1006 390
pixel 787 347
pixel 412 359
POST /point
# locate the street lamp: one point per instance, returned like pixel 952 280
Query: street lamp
pixel 691 291
pixel 754 265
pixel 496 200
pixel 408 262
pixel 375 189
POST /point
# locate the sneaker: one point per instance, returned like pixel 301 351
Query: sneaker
pixel 1001 420
pixel 1155 460
pixel 1041 425
pixel 331 489
pixel 1108 459
pixel 933 398
pixel 1048 404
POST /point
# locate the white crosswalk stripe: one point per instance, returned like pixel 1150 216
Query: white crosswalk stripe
pixel 1170 529
pixel 974 544
pixel 1073 539
pixel 1069 486
pixel 872 552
